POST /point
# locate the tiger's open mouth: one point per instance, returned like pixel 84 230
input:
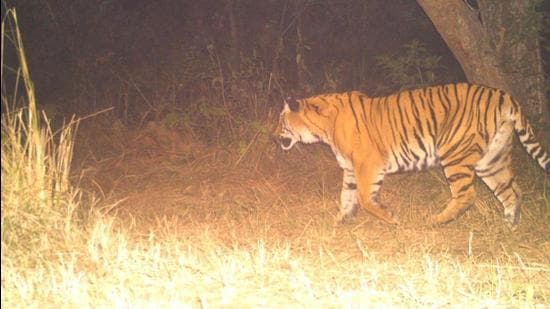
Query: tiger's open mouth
pixel 286 143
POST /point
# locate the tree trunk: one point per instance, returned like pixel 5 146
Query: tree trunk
pixel 513 27
pixel 466 38
pixel 475 47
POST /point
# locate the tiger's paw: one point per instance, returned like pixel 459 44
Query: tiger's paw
pixel 512 216
pixel 442 218
pixel 392 218
pixel 512 223
pixel 346 214
pixel 438 220
pixel 343 218
pixel 386 214
pixel 434 221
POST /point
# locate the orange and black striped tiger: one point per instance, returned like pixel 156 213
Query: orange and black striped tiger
pixel 467 129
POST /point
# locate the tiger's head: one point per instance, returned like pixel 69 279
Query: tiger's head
pixel 305 121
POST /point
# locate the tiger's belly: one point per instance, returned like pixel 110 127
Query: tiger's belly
pixel 411 160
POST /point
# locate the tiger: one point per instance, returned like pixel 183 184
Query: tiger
pixel 466 129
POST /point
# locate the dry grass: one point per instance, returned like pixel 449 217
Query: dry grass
pixel 194 230
pixel 261 234
pixel 206 234
pixel 208 271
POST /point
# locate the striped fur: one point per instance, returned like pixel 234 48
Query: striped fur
pixel 467 129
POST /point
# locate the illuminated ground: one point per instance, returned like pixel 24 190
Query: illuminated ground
pixel 186 190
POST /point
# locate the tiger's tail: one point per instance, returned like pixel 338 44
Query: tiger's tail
pixel 527 138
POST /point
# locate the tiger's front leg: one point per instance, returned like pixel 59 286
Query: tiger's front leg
pixel 369 181
pixel 348 197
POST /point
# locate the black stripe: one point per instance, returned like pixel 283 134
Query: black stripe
pixel 496 158
pixel 480 95
pixel 515 106
pixel 395 158
pixel 419 141
pixel 465 187
pixel 381 112
pixel 393 126
pixel 482 174
pixel 501 188
pixel 444 100
pixel 313 124
pixel 409 152
pixel 458 176
pixel 353 111
pixel 370 120
pixel 506 199
pixel 499 106
pixel 405 160
pixel 459 124
pixel 431 128
pixel 416 113
pixel 416 157
pixel 404 136
pixel 501 100
pixel 479 90
pixel 450 151
pixel 400 109
pixel 364 116
pixel 432 101
pixel 463 104
pixel 456 161
pixel 322 98
pixel 406 151
pixel 489 101
pixel 537 153
pixel 312 107
pixel 530 141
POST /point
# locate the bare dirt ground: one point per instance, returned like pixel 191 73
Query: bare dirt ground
pixel 157 177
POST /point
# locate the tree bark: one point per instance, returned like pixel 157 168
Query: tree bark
pixel 467 40
pixel 475 48
pixel 513 28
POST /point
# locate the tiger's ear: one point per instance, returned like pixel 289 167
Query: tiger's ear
pixel 292 104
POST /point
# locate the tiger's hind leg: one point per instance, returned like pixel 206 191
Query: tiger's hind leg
pixel 460 177
pixel 495 170
pixel 501 181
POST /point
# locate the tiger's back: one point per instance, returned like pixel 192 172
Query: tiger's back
pixel 467 129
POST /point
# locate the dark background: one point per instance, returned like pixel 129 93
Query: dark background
pixel 139 55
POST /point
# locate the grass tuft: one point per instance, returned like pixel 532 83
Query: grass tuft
pixel 38 203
